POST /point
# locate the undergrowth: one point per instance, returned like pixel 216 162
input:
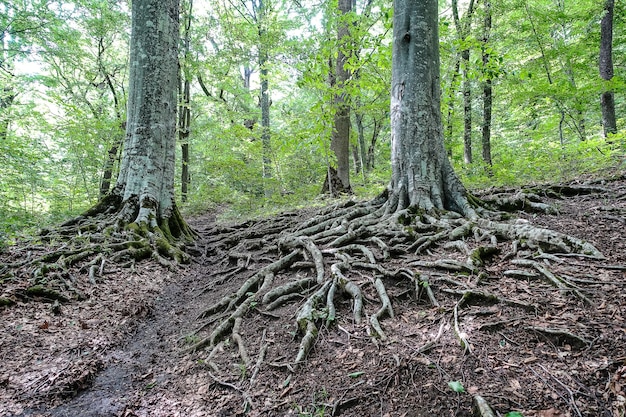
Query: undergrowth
pixel 515 164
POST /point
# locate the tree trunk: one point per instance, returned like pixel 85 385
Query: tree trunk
pixel 487 88
pixel 265 97
pixel 370 159
pixel 112 154
pixel 145 185
pixel 6 100
pixel 362 154
pixel 422 176
pixel 463 33
pixel 607 100
pixel 340 137
pixel 109 164
pixel 184 112
pixel 451 93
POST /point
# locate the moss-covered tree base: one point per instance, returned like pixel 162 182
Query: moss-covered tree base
pixel 103 235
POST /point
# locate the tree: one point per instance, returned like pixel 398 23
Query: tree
pixel 184 110
pixel 424 204
pixel 338 180
pixel 487 87
pixel 142 200
pixel 463 29
pixel 422 176
pixel 607 99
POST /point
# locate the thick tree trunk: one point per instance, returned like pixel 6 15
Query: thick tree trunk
pixel 340 137
pixel 607 99
pixel 422 176
pixel 145 185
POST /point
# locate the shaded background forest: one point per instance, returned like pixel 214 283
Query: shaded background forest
pixel 64 76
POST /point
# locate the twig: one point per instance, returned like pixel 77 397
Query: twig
pixel 461 335
pixel 260 359
pixel 246 397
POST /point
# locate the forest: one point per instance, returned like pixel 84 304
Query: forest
pixel 281 207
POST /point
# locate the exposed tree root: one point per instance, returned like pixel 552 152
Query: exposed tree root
pixel 91 242
pixel 342 254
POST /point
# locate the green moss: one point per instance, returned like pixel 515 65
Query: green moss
pixel 482 254
pixel 6 302
pixel 41 291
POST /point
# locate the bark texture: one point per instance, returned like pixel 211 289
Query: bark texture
pixel 607 99
pixel 145 184
pixel 422 176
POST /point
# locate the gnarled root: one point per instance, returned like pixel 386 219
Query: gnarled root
pixel 94 240
pixel 342 252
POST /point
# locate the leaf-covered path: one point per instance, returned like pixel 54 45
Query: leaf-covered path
pixel 529 346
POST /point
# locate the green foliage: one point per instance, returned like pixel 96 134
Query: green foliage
pixel 456 386
pixel 63 77
pixel 538 160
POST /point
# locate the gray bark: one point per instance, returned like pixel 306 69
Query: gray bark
pixel 146 179
pixel 422 176
pixel 607 99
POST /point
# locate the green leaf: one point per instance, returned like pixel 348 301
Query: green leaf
pixel 456 386
pixel 356 374
pixel 514 414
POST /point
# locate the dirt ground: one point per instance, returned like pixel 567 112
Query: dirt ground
pixel 122 348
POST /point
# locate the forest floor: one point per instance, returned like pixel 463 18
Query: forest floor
pixel 121 349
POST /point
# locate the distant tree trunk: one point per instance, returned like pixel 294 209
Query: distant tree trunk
pixel 451 92
pixel 109 163
pixel 487 88
pixel 422 176
pixel 463 30
pixel 184 111
pixel 113 152
pixel 362 154
pixel 6 100
pixel 370 158
pixel 265 96
pixel 607 100
pixel 340 136
pixel 184 123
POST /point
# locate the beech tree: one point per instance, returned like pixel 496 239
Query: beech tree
pixel 424 205
pixel 422 176
pixel 142 200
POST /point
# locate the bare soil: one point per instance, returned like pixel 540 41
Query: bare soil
pixel 122 350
